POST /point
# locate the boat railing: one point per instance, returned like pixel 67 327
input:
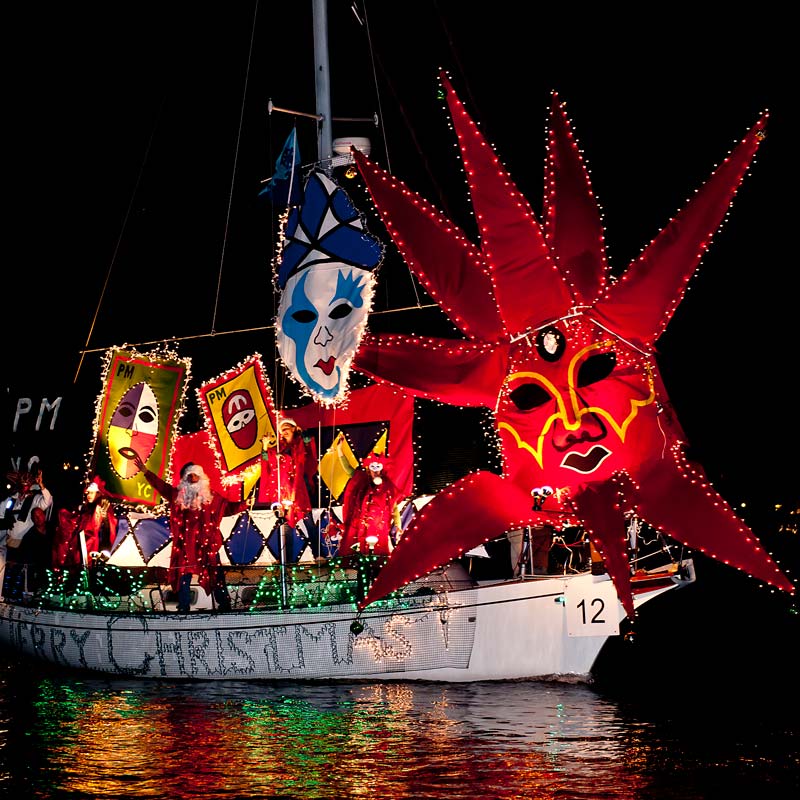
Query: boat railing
pixel 544 551
pixel 104 587
pixel 108 588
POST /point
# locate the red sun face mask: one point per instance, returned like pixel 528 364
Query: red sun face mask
pixel 563 356
pixel 577 406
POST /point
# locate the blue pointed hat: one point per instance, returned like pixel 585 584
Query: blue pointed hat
pixel 326 228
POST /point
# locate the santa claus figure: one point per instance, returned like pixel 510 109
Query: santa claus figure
pixel 369 509
pixel 195 514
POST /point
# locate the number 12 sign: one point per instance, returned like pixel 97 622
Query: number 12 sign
pixel 593 609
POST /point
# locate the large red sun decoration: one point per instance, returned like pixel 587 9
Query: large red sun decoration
pixel 563 354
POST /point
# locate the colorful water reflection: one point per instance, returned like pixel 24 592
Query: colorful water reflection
pixel 86 738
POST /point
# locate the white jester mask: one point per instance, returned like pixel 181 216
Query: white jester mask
pixel 327 281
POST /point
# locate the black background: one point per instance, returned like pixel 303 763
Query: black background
pixel 138 137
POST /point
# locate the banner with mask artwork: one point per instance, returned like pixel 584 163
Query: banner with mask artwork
pixel 137 412
pixel 326 277
pixel 237 406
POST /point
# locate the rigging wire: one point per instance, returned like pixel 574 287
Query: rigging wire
pixel 274 228
pixel 372 56
pixel 456 59
pixel 117 246
pixel 375 82
pixel 233 172
pixel 411 130
pixel 256 329
pixel 86 349
pixel 278 383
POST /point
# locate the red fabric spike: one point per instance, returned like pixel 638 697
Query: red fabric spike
pixel 640 305
pixel 438 253
pixel 572 226
pixel 465 512
pixel 604 520
pixel 528 286
pixel 459 373
pixel 687 508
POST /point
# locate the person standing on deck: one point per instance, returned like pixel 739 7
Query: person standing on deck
pixel 289 465
pixel 33 556
pixel 15 522
pixel 370 508
pixel 195 514
pixel 95 518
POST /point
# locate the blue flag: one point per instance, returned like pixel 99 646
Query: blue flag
pixel 285 186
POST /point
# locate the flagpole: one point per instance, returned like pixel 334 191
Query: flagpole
pixel 322 78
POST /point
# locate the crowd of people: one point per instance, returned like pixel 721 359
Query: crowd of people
pixel 38 543
pixel 19 533
pixel 34 539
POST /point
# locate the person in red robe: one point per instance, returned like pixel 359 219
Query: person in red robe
pixel 369 509
pixel 289 467
pixel 95 518
pixel 195 514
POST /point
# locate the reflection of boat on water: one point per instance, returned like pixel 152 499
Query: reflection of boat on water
pixel 568 372
pixel 328 741
pixel 393 740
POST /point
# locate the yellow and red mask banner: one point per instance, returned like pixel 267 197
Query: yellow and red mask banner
pixel 238 411
pixel 137 414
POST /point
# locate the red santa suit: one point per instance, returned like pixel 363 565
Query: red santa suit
pixel 369 509
pixel 196 535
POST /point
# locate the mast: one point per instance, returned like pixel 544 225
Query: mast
pixel 322 82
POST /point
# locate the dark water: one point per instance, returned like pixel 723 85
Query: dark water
pixel 689 709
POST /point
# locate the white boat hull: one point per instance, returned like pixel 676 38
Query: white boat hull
pixel 525 629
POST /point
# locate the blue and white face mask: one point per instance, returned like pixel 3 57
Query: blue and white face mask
pixel 321 318
pixel 327 280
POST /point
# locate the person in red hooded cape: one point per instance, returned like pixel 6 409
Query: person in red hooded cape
pixel 369 509
pixel 95 517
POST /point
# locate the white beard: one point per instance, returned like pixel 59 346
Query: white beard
pixel 194 495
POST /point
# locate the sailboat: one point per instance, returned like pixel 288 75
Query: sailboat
pixel 520 573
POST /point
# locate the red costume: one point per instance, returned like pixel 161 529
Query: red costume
pixel 369 509
pixel 97 520
pixel 196 536
pixel 294 463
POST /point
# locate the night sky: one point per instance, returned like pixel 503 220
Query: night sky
pixel 138 137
